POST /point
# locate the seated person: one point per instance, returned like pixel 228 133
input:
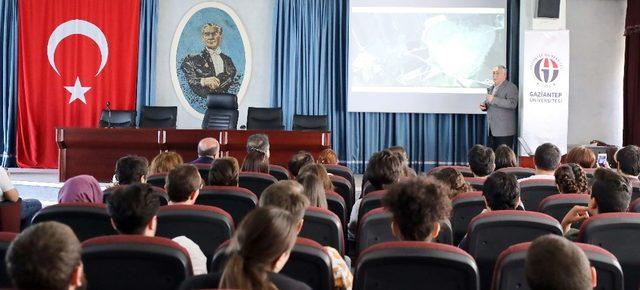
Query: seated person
pixel 407 170
pixel 554 263
pixel 164 162
pixel 208 149
pixel 505 157
pixel 28 208
pixel 131 169
pixel 259 249
pixel 628 159
pixel 288 195
pixel 316 183
pixel 259 142
pixel 501 192
pixel 418 206
pixel 81 188
pixel 384 168
pixel 611 192
pixel 328 156
pixel 453 179
pixel 298 161
pixel 570 178
pixel 46 256
pixel 133 210
pixel 481 160
pixel 256 161
pixel 582 156
pixel 546 159
pixel 224 172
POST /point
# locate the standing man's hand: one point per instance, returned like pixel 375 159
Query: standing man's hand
pixel 483 107
pixel 489 98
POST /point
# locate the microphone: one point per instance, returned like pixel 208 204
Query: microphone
pixel 108 114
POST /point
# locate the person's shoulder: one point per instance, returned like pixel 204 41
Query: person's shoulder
pixel 195 57
pixel 208 281
pixel 285 283
pixel 509 84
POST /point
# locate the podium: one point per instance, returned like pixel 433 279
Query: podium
pixel 94 151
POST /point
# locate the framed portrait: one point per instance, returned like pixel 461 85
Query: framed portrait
pixel 210 54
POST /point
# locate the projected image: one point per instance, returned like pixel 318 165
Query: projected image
pixel 397 49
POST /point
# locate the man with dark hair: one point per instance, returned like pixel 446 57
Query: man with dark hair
pixel 628 159
pixel 418 206
pixel 547 159
pixel 611 192
pixel 133 210
pixel 183 184
pixel 554 263
pixel 260 143
pixel 208 149
pixel 501 191
pixel 224 171
pixel 482 160
pixel 298 161
pixel 131 169
pixel 46 256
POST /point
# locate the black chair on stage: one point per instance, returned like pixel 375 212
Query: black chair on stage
pixel 264 119
pixel 222 112
pixel 158 117
pixel 117 119
pixel 308 122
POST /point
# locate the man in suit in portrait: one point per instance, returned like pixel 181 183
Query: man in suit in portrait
pixel 210 71
pixel 501 105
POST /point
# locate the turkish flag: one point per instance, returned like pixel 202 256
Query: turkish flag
pixel 73 57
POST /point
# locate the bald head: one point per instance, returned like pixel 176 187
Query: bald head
pixel 208 147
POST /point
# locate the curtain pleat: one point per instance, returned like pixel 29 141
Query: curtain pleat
pixel 147 54
pixel 9 79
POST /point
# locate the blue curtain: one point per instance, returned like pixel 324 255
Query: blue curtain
pixel 309 77
pixel 9 78
pixel 147 54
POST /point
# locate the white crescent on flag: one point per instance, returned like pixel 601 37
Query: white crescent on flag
pixel 81 27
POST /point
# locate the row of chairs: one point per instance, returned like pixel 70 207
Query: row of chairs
pixel 495 255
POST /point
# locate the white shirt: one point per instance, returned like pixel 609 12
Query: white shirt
pixel 5 182
pixel 547 177
pixel 198 259
pixel 218 64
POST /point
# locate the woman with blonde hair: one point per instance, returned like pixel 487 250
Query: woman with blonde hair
pixel 315 180
pixel 164 162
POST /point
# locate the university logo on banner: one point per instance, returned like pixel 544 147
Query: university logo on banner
pixel 74 57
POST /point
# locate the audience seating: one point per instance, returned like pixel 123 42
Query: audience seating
pixel 509 272
pixel 375 228
pixel 203 169
pixel 221 113
pixel 370 202
pixel 264 119
pixel 413 265
pixel 309 122
pixel 619 233
pixel 476 182
pixel 134 262
pixel 5 240
pixel 87 220
pixel 256 182
pixel 158 117
pixel 635 206
pixel 519 172
pixel 207 226
pixel 558 205
pixel 342 171
pixel 157 179
pixel 338 206
pixel 119 119
pixel 236 201
pixel 162 195
pixel 343 187
pixel 308 262
pixel 635 193
pixel 465 206
pixel 533 191
pixel 324 227
pixel 366 188
pixel 10 216
pixel 492 232
pixel 279 172
pixel 464 170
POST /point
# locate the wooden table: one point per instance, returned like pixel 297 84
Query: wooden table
pixel 94 151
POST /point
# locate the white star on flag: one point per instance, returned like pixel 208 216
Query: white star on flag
pixel 77 91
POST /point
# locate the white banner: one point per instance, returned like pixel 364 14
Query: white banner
pixel 545 89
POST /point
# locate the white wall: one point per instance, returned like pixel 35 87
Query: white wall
pixel 257 17
pixel 596 64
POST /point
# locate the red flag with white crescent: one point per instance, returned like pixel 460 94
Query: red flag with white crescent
pixel 73 57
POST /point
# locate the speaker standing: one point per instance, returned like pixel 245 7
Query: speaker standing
pixel 501 105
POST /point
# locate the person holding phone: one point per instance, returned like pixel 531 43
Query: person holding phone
pixel 501 104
